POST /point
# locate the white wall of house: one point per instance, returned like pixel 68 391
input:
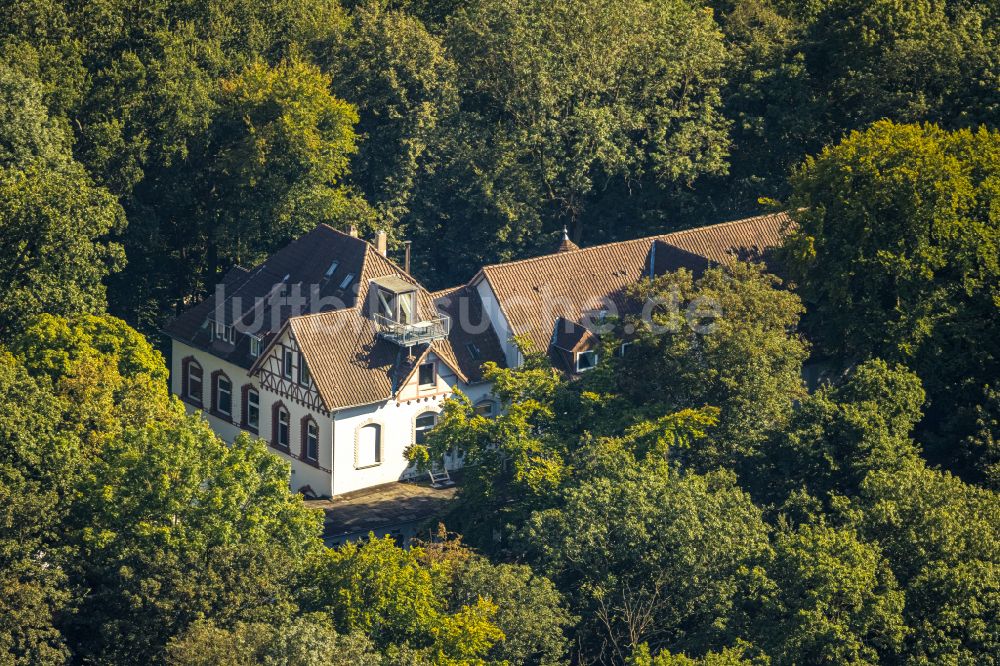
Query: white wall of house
pixel 353 468
pixel 499 322
pixel 318 478
pixel 339 469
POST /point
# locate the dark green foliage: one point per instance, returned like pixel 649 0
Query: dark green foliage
pixel 898 256
pixel 172 526
pixel 840 434
pixel 688 503
pixel 530 610
pixel 130 533
pixel 438 603
pixel 651 555
pixel 744 356
pixel 560 101
pixel 37 464
pixel 54 257
pixel 306 641
pixel 403 83
pixel 942 539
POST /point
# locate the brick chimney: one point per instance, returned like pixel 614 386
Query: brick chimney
pixel 381 242
pixel 353 231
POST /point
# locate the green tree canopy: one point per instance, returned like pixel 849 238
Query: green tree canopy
pixel 126 520
pixel 728 339
pixel 55 255
pixel 839 434
pixel 268 165
pixel 38 462
pixel 304 641
pixel 942 539
pixel 897 255
pixel 403 83
pixel 560 100
pixel 836 600
pixel 173 525
pixel 652 556
pixel 437 601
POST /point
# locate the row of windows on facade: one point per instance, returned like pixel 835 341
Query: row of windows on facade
pixel 369 439
pixel 227 333
pixel 222 406
pixel 585 360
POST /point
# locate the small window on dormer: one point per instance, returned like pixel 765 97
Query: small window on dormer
pixel 287 363
pixel 346 282
pixel 222 332
pixel 485 408
pixel 254 346
pixel 586 360
pixel 426 374
pixel 332 269
pixel 405 308
pixel 385 304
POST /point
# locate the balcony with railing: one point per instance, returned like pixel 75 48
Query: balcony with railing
pixel 415 333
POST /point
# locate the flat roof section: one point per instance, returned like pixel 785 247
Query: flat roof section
pixel 398 509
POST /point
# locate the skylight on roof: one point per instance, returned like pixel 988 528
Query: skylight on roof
pixel 346 282
pixel 332 268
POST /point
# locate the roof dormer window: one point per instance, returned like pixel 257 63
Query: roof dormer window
pixel 396 299
pixel 222 332
pixel 586 360
pixel 393 305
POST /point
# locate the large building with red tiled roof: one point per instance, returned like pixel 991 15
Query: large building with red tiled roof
pixel 340 359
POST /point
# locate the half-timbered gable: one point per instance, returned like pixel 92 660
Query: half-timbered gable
pixel 284 371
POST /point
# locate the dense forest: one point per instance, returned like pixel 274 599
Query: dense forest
pixel 690 502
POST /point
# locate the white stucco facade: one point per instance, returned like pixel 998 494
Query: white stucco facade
pixel 341 467
pixel 499 323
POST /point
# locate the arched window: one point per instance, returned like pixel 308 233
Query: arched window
pixel 191 378
pixel 368 447
pixel 310 440
pixel 422 425
pixel 281 427
pixel 222 394
pixel 251 408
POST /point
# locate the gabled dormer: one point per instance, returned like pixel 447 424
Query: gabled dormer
pixel 394 306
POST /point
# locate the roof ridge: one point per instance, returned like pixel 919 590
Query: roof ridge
pixel 324 312
pixel 575 253
pixel 328 227
pixel 719 224
pixel 641 239
pixel 442 292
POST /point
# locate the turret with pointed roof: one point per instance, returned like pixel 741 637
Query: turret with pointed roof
pixel 566 245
